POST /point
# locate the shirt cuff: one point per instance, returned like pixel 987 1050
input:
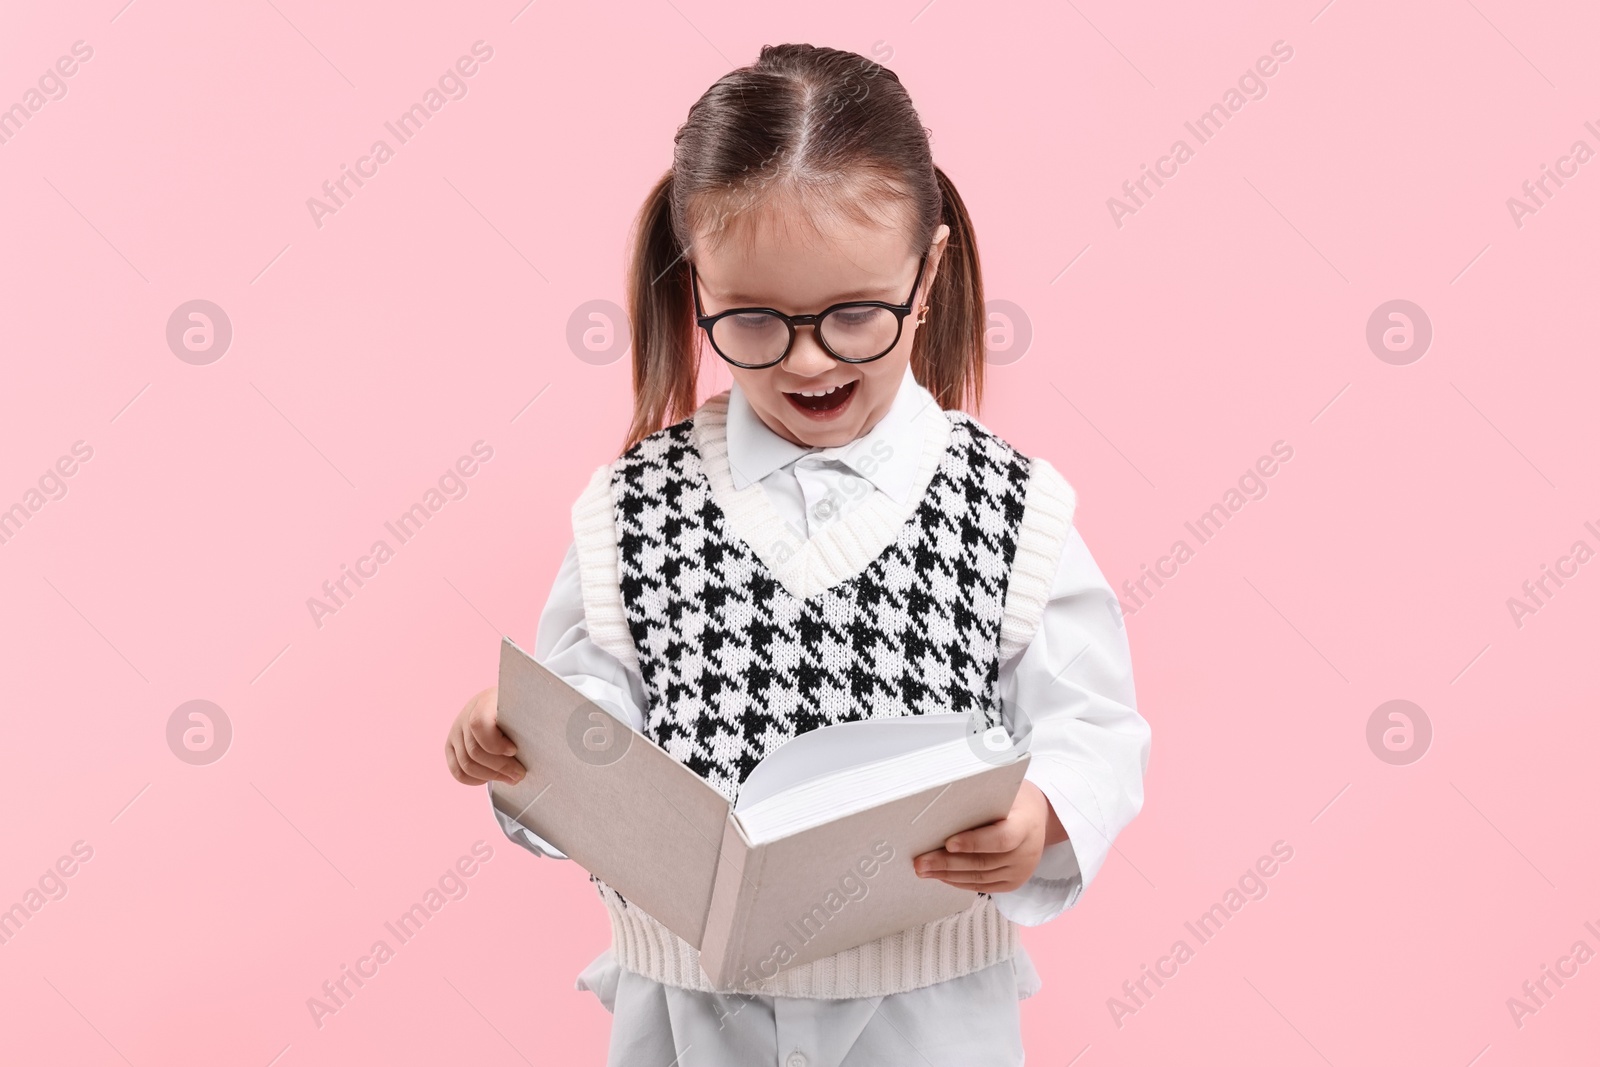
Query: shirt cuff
pixel 1057 882
pixel 1055 886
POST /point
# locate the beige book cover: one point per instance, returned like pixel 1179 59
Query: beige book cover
pixel 753 895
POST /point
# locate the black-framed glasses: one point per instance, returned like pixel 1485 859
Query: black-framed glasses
pixel 856 331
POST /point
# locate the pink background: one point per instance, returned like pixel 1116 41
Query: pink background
pixel 369 354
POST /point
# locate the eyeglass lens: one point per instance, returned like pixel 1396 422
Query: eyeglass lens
pixel 854 333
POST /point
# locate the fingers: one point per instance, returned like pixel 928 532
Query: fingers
pixel 504 767
pixel 466 770
pixel 455 766
pixel 476 750
pixel 939 862
pixel 986 887
pixel 469 770
pixel 485 731
pixel 1001 836
pixel 1001 879
pixel 456 770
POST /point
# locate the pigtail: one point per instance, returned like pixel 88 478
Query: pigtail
pixel 665 354
pixel 948 356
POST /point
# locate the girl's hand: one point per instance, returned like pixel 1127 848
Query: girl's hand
pixel 1001 856
pixel 476 750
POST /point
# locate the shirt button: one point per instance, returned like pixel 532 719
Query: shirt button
pixel 796 1059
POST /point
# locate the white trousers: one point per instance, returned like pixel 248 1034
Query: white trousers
pixel 971 1021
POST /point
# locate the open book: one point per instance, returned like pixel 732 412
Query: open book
pixel 814 858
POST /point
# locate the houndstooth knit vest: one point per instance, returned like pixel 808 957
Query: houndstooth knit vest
pixel 734 662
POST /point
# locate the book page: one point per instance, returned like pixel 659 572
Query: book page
pixel 840 793
pixel 834 748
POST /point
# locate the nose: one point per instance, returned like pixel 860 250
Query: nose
pixel 807 358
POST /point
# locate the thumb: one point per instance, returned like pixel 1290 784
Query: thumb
pixel 995 837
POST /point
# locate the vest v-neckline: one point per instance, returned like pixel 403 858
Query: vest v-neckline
pixel 842 549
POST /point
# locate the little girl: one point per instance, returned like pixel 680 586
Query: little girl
pixel 831 538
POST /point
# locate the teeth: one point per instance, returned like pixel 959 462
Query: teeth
pixel 819 392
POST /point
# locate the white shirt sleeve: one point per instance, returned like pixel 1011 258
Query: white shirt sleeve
pixel 562 644
pixel 1070 694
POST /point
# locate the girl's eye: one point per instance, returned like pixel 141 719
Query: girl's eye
pixel 752 322
pixel 862 317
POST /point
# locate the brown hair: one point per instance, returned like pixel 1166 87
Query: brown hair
pixel 837 132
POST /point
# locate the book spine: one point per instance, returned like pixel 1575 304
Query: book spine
pixel 733 895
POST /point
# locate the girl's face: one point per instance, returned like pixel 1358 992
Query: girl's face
pixel 788 266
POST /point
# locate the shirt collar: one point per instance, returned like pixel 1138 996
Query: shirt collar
pixel 888 455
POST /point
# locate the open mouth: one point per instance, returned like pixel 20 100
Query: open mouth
pixel 823 403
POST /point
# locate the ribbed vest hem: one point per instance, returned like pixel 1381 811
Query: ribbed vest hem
pixel 919 956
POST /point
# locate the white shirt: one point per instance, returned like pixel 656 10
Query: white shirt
pixel 1073 682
